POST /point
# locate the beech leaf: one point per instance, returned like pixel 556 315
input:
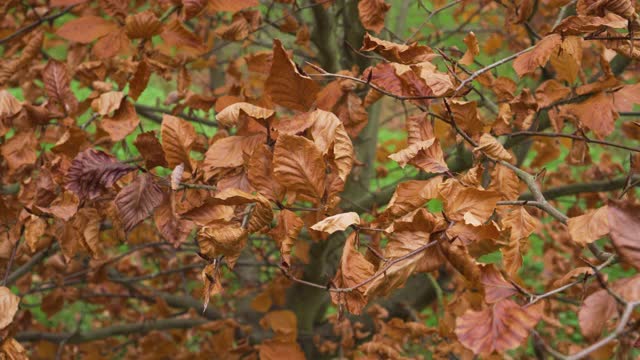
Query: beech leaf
pixel 138 200
pixel 339 222
pixel 93 171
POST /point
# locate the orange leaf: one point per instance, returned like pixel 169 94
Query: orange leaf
pixel 178 137
pixel 354 269
pixel 624 223
pixel 298 165
pixel 8 306
pixel 339 222
pixel 372 14
pixel 401 53
pixel 86 29
pixel 286 85
pixel 538 56
pixel 587 228
pixel 499 327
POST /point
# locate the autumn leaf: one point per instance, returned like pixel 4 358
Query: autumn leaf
pixel 473 49
pixel 496 288
pixel 372 14
pixel 138 200
pixel 123 122
pixel 624 227
pixel 178 137
pixel 499 327
pixel 298 166
pixel 286 233
pixel 522 224
pixel 230 115
pixel 151 150
pixel 538 56
pixel 468 204
pixel 8 306
pixel 172 228
pixel 286 85
pixel 57 86
pixel 489 146
pixel 354 269
pixel 232 6
pixel 92 172
pixel 339 222
pixel 223 239
pixel 20 150
pixel 401 53
pixel 601 122
pixel 85 29
pixel 587 228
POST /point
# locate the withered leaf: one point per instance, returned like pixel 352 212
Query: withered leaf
pixel 522 224
pixel 138 200
pixel 538 56
pixel 151 150
pixel 298 165
pixel 339 222
pixel 223 239
pixel 354 269
pixel 286 85
pixel 587 228
pixel 468 204
pixel 401 53
pixel 372 14
pixel 8 306
pixel 57 86
pixel 93 171
pixel 172 228
pixel 178 138
pixel 490 146
pixel 499 327
pixel 286 233
pixel 624 225
pixel 85 29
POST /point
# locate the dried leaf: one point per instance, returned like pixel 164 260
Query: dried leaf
pixel 496 288
pixel 286 233
pixel 499 327
pixel 372 14
pixel 624 224
pixel 8 306
pixel 400 53
pixel 138 200
pixel 85 29
pixel 151 150
pixel 178 137
pixel 230 115
pixel 286 85
pixel 354 269
pixel 490 146
pixel 473 49
pixel 123 122
pixel 57 86
pixel 93 171
pixel 538 56
pixel 472 205
pixel 522 224
pixel 587 228
pixel 298 165
pixel 172 228
pixel 223 239
pixel 339 222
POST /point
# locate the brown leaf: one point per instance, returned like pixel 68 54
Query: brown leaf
pixel 600 307
pixel 472 205
pixel 587 228
pixel 400 53
pixel 143 25
pixel 178 138
pixel 138 200
pixel 339 222
pixel 354 269
pixel 512 255
pixel 20 150
pixel 372 14
pixel 529 61
pixel 140 79
pixel 412 194
pixel 601 122
pixel 283 323
pixel 490 146
pixel 8 306
pixel 567 60
pixel 151 150
pixel 579 25
pixel 123 122
pixel 223 239
pixel 260 173
pixel 499 327
pixel 522 224
pixel 229 152
pixel 92 172
pixel 286 85
pixel 64 206
pixel 550 92
pixel 232 6
pixel 496 287
pixel 473 49
pixel 111 45
pixel 505 181
pixel 85 29
pixel 286 233
pixel 272 349
pixel 230 115
pixel 107 102
pixel 624 223
pixel 9 105
pixel 172 228
pixel 57 86
pixel 298 165
pixel 328 130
